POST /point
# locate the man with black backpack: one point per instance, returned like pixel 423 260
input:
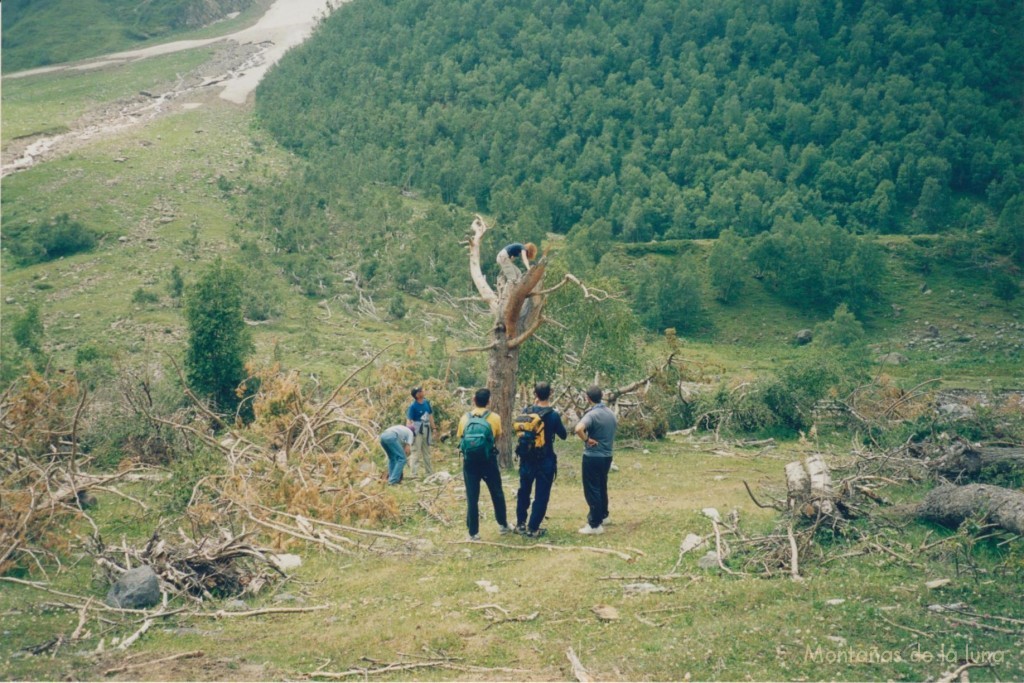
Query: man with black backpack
pixel 477 434
pixel 536 430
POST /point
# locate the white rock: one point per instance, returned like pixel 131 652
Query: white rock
pixel 487 586
pixel 606 612
pixel 691 542
pixel 938 583
pixel 286 562
pixel 835 601
pixel 711 513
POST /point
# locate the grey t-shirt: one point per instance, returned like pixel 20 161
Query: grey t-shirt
pixel 600 423
pixel 401 432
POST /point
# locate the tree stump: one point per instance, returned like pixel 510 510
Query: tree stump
pixel 809 487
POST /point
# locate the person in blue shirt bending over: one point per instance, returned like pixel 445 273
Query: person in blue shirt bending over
pixel 420 419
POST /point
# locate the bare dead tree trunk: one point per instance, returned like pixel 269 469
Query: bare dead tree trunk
pixel 502 366
pixel 951 505
pixel 511 328
pixel 514 323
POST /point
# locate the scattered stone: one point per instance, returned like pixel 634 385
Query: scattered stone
pixel 122 238
pixel 236 605
pixel 439 477
pixel 137 588
pixel 487 586
pixel 286 562
pixel 709 561
pixel 803 337
pixel 691 542
pixel 835 601
pixel 606 612
pixel 9 300
pixel 289 597
pixel 711 513
pixel 119 160
pixel 938 583
pixel 838 640
pixel 76 316
pixel 931 332
pixel 892 359
pixel 955 411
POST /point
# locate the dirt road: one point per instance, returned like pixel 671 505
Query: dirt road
pixel 237 70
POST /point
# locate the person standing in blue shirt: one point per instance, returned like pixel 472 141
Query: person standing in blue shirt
pixel 420 419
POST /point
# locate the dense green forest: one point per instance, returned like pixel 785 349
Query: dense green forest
pixel 41 32
pixel 671 119
pixel 791 124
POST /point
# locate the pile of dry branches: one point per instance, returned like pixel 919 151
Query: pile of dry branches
pixel 195 569
pixel 42 483
pixel 301 470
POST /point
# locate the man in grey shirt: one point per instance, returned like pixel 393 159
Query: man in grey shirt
pixel 597 430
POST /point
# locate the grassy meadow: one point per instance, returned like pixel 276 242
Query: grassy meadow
pixel 170 193
pixel 424 601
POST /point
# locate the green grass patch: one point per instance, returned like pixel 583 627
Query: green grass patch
pixel 852 619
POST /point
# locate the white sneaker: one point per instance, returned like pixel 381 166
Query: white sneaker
pixel 505 530
pixel 590 530
pixel 607 521
pixel 473 537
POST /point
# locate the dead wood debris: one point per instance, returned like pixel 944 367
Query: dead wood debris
pixel 547 546
pixel 197 569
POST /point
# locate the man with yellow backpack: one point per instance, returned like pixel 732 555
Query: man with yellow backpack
pixel 536 429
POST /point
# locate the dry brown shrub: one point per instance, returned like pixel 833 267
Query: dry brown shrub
pixel 38 420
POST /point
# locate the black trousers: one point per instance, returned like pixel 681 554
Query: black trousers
pixel 543 473
pixel 595 487
pixel 488 471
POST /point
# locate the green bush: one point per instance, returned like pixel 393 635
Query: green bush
pixel 783 402
pixel 218 339
pixel 143 297
pixel 48 241
pixel 396 307
pixel 27 329
pixel 843 330
pixel 1004 286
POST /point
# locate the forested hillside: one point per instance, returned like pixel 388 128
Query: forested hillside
pixel 41 32
pixel 634 121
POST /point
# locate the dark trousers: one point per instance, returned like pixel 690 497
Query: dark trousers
pixel 543 473
pixel 472 473
pixel 595 487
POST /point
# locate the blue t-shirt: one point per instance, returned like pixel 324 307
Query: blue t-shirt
pixel 514 250
pixel 417 410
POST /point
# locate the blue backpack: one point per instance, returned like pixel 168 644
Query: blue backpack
pixel 477 443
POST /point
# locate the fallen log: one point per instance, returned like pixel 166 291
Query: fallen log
pixel 969 462
pixel 951 505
